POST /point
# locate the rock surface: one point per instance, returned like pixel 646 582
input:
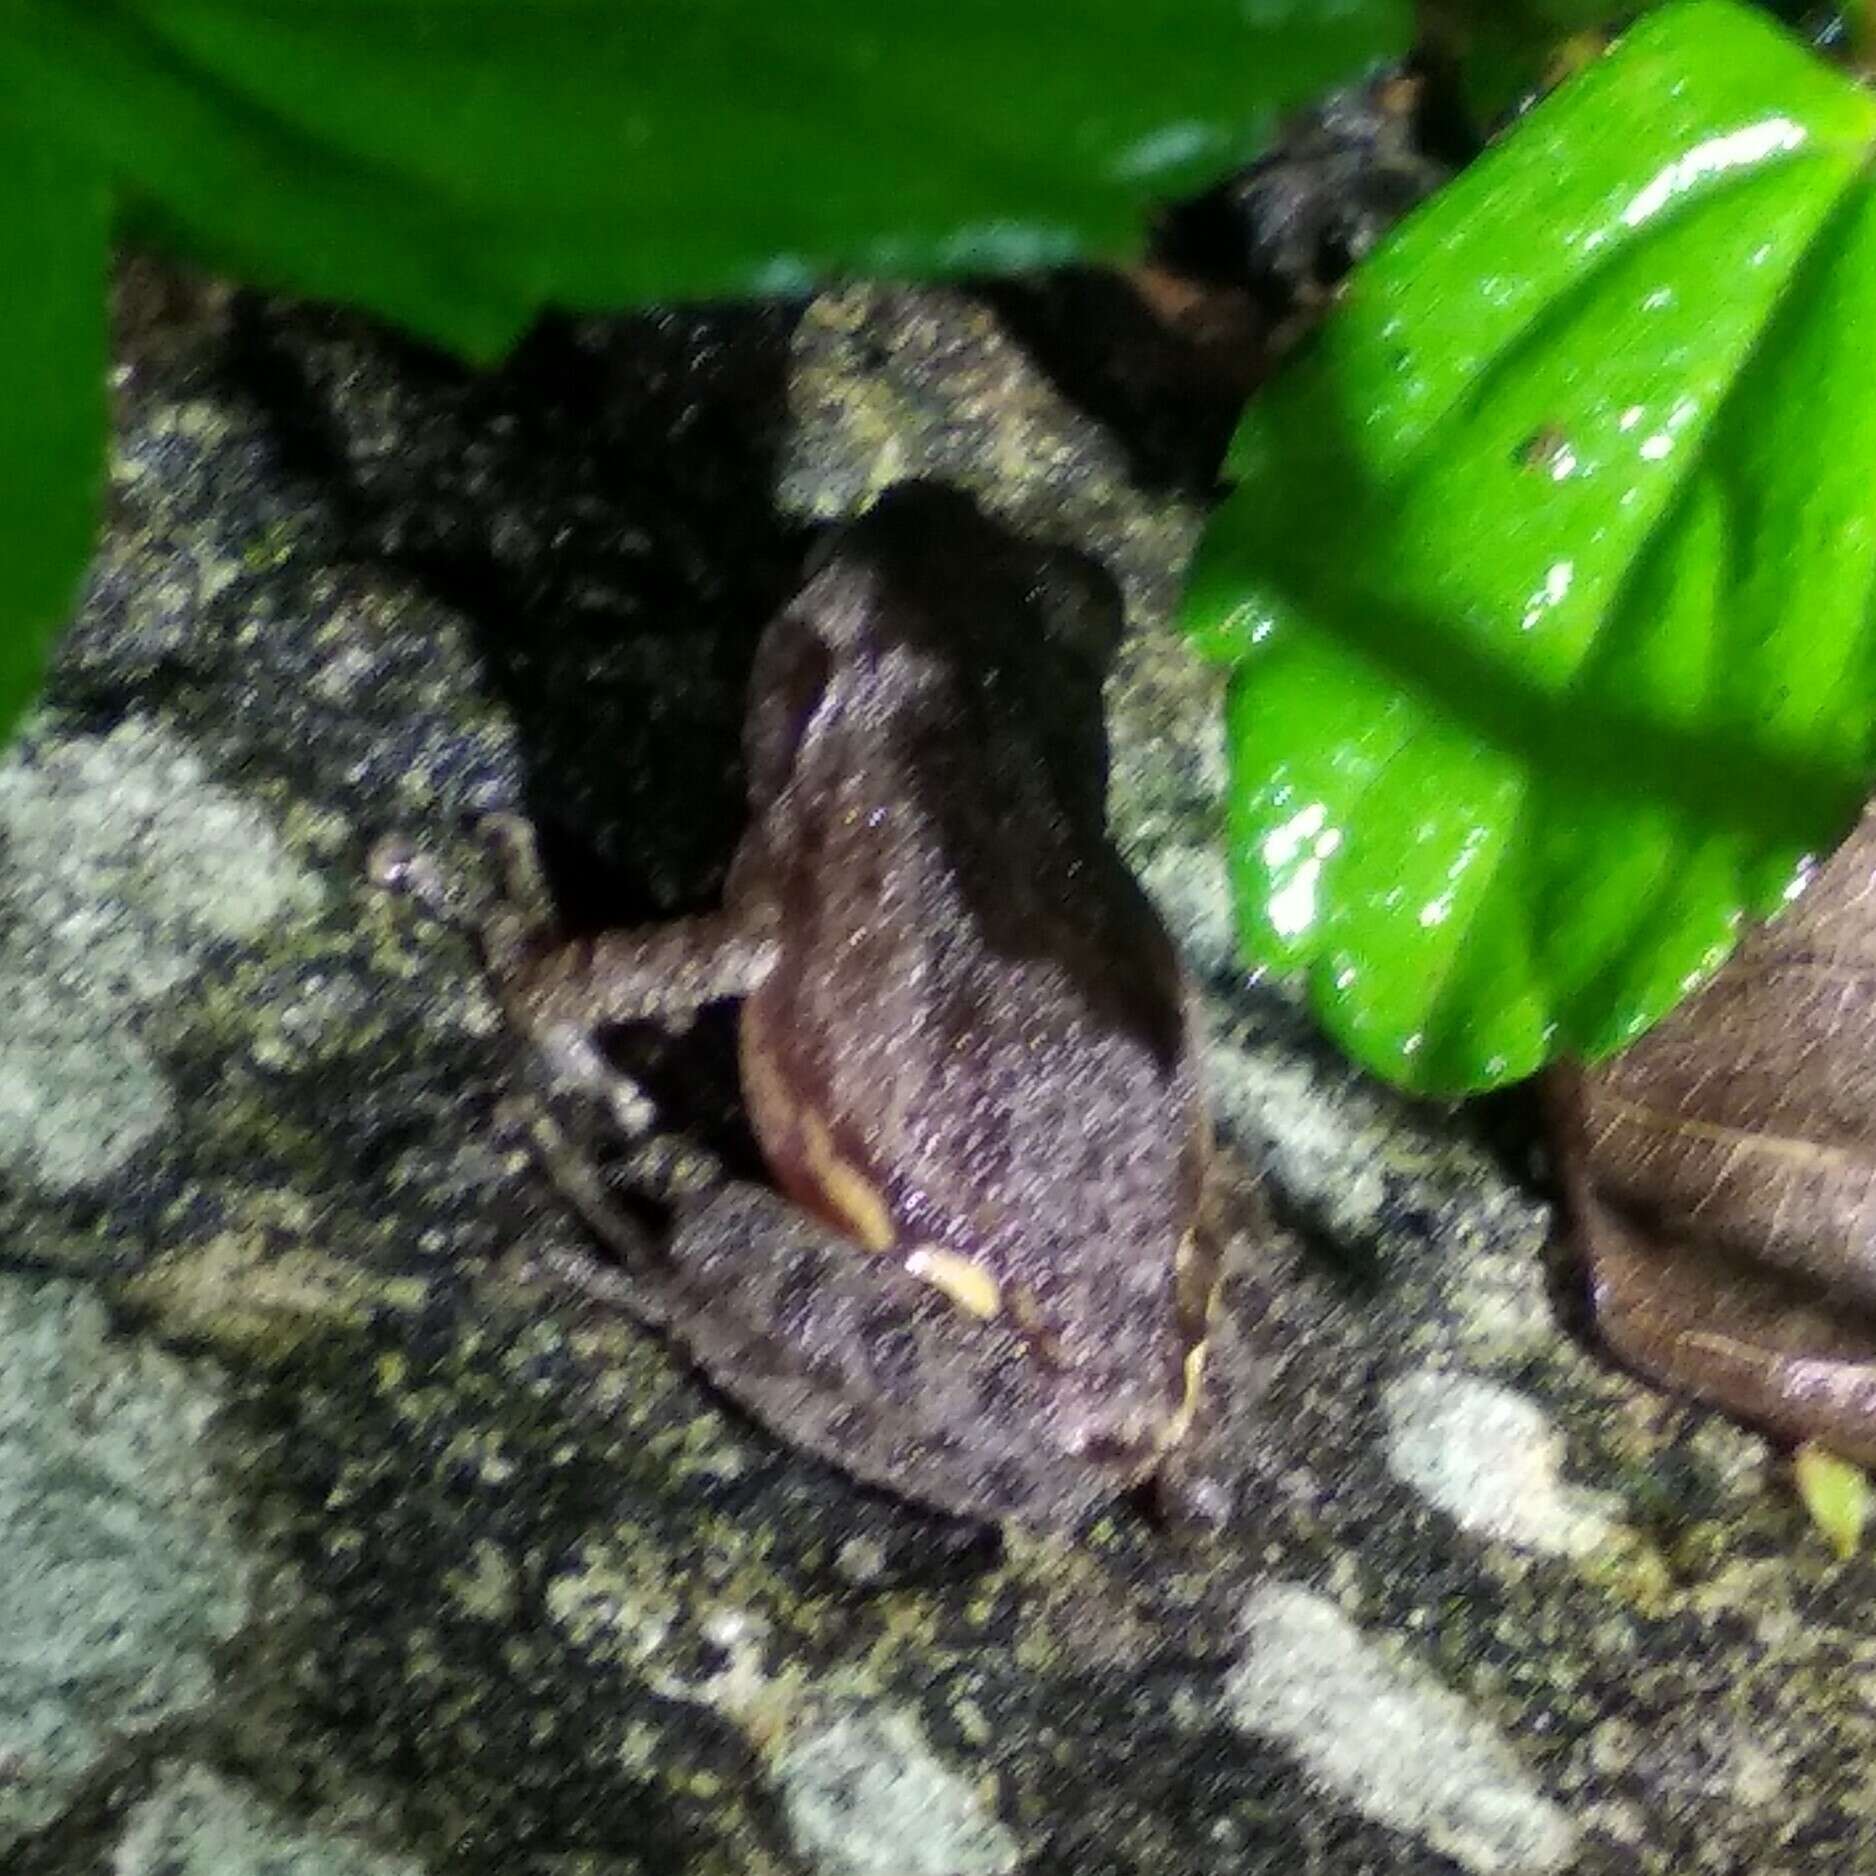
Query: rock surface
pixel 348 1547
pixel 123 1574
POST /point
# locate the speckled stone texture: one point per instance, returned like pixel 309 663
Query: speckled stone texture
pixel 123 1576
pixel 338 1542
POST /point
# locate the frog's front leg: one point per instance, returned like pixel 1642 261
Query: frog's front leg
pixel 552 984
pixel 869 1368
pixel 558 991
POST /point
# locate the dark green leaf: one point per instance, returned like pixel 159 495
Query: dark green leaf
pixel 1548 574
pixel 53 230
pixel 1506 49
pixel 455 163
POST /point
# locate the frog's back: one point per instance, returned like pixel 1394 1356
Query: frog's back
pixel 975 1048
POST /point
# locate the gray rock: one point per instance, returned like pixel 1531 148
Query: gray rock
pixel 866 1796
pixel 122 1571
pixel 195 1824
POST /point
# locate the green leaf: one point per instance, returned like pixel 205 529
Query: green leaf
pixel 54 224
pixel 456 163
pixel 1547 577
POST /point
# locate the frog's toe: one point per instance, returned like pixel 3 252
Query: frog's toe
pixel 399 864
pixel 520 879
pixel 518 925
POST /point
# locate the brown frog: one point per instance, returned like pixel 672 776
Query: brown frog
pixel 967 1051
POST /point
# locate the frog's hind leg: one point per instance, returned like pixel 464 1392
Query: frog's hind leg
pixel 870 1369
pixel 630 1280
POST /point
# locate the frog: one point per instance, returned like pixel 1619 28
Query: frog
pixel 979 1271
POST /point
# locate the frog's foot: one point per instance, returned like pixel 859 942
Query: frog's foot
pixel 507 912
pixel 398 864
pixel 651 973
pixel 627 1280
pixel 538 971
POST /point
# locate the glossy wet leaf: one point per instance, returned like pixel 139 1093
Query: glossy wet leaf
pixel 1547 577
pixel 1722 1175
pixel 457 163
pixel 52 260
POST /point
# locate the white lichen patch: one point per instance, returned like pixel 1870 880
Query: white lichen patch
pixel 121 862
pixel 196 1824
pixel 866 1795
pixel 137 859
pixel 1490 1458
pixel 122 1573
pixel 1388 1739
pixel 78 1096
pixel 488 1586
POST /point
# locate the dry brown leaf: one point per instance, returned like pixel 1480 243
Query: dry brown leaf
pixel 1721 1175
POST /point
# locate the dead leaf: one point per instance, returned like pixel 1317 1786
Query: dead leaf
pixel 1721 1175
